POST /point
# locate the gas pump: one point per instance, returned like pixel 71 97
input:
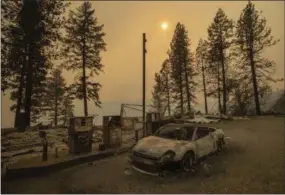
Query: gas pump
pixel 151 118
pixel 80 133
pixel 112 132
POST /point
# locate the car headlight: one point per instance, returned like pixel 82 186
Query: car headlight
pixel 169 155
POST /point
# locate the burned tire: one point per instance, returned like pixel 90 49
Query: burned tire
pixel 187 162
pixel 220 144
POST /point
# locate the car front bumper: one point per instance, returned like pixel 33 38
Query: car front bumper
pixel 150 167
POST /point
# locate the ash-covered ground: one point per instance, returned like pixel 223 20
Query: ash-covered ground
pixel 252 162
pixel 18 146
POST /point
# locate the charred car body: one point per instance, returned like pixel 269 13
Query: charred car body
pixel 175 144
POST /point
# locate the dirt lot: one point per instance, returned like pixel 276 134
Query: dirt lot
pixel 253 162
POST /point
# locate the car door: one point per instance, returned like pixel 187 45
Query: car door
pixel 203 141
pixel 185 137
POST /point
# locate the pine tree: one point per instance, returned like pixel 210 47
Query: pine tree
pixel 58 102
pixel 158 100
pixel 253 36
pixel 165 81
pixel 182 71
pixel 30 22
pixel 41 22
pixel 191 74
pixel 12 51
pixel 240 96
pixel 220 35
pixel 241 101
pixel 202 54
pixel 68 110
pixel 29 37
pixel 9 10
pixel 82 46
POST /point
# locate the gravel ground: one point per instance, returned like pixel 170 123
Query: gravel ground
pixel 252 162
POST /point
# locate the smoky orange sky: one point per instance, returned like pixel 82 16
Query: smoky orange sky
pixel 124 24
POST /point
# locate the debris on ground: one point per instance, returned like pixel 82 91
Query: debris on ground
pixel 97 136
pixel 211 118
pixel 206 169
pixel 128 171
pixel 201 119
pixel 241 118
pixel 16 145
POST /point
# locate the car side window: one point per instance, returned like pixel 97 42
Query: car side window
pixel 202 132
pixel 211 129
pixel 172 134
pixel 182 134
pixel 190 132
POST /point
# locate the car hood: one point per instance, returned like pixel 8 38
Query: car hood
pixel 157 146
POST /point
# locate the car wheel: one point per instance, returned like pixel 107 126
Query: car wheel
pixel 162 173
pixel 220 145
pixel 187 162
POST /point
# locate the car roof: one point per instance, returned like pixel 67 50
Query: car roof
pixel 179 125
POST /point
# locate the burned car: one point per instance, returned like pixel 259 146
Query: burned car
pixel 175 144
pixel 200 119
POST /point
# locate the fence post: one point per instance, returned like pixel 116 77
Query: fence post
pixel 137 135
pixel 45 151
pixel 56 152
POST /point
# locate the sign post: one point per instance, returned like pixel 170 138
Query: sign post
pixel 43 136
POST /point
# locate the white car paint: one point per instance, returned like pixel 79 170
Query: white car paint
pixel 157 146
pixel 200 119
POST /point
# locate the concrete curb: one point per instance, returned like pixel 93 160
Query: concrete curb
pixel 17 173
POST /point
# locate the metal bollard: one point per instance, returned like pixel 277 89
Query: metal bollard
pixel 137 135
pixel 56 152
pixel 43 136
pixel 45 152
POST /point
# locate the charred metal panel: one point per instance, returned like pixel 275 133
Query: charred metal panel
pixel 112 133
pixel 80 134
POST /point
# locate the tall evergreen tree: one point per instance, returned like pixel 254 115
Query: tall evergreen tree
pixel 30 21
pixel 241 101
pixel 43 37
pixel 158 100
pixel 214 84
pixel 29 37
pixel 165 79
pixel 13 59
pixel 82 46
pixel 220 34
pixel 182 71
pixel 58 102
pixel 202 61
pixel 253 36
pixel 191 77
pixel 68 110
pixel 9 10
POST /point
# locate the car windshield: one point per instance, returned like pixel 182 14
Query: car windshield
pixel 172 132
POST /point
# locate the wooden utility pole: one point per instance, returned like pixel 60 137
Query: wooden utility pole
pixel 143 84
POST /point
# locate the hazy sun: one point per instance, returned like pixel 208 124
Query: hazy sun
pixel 164 25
